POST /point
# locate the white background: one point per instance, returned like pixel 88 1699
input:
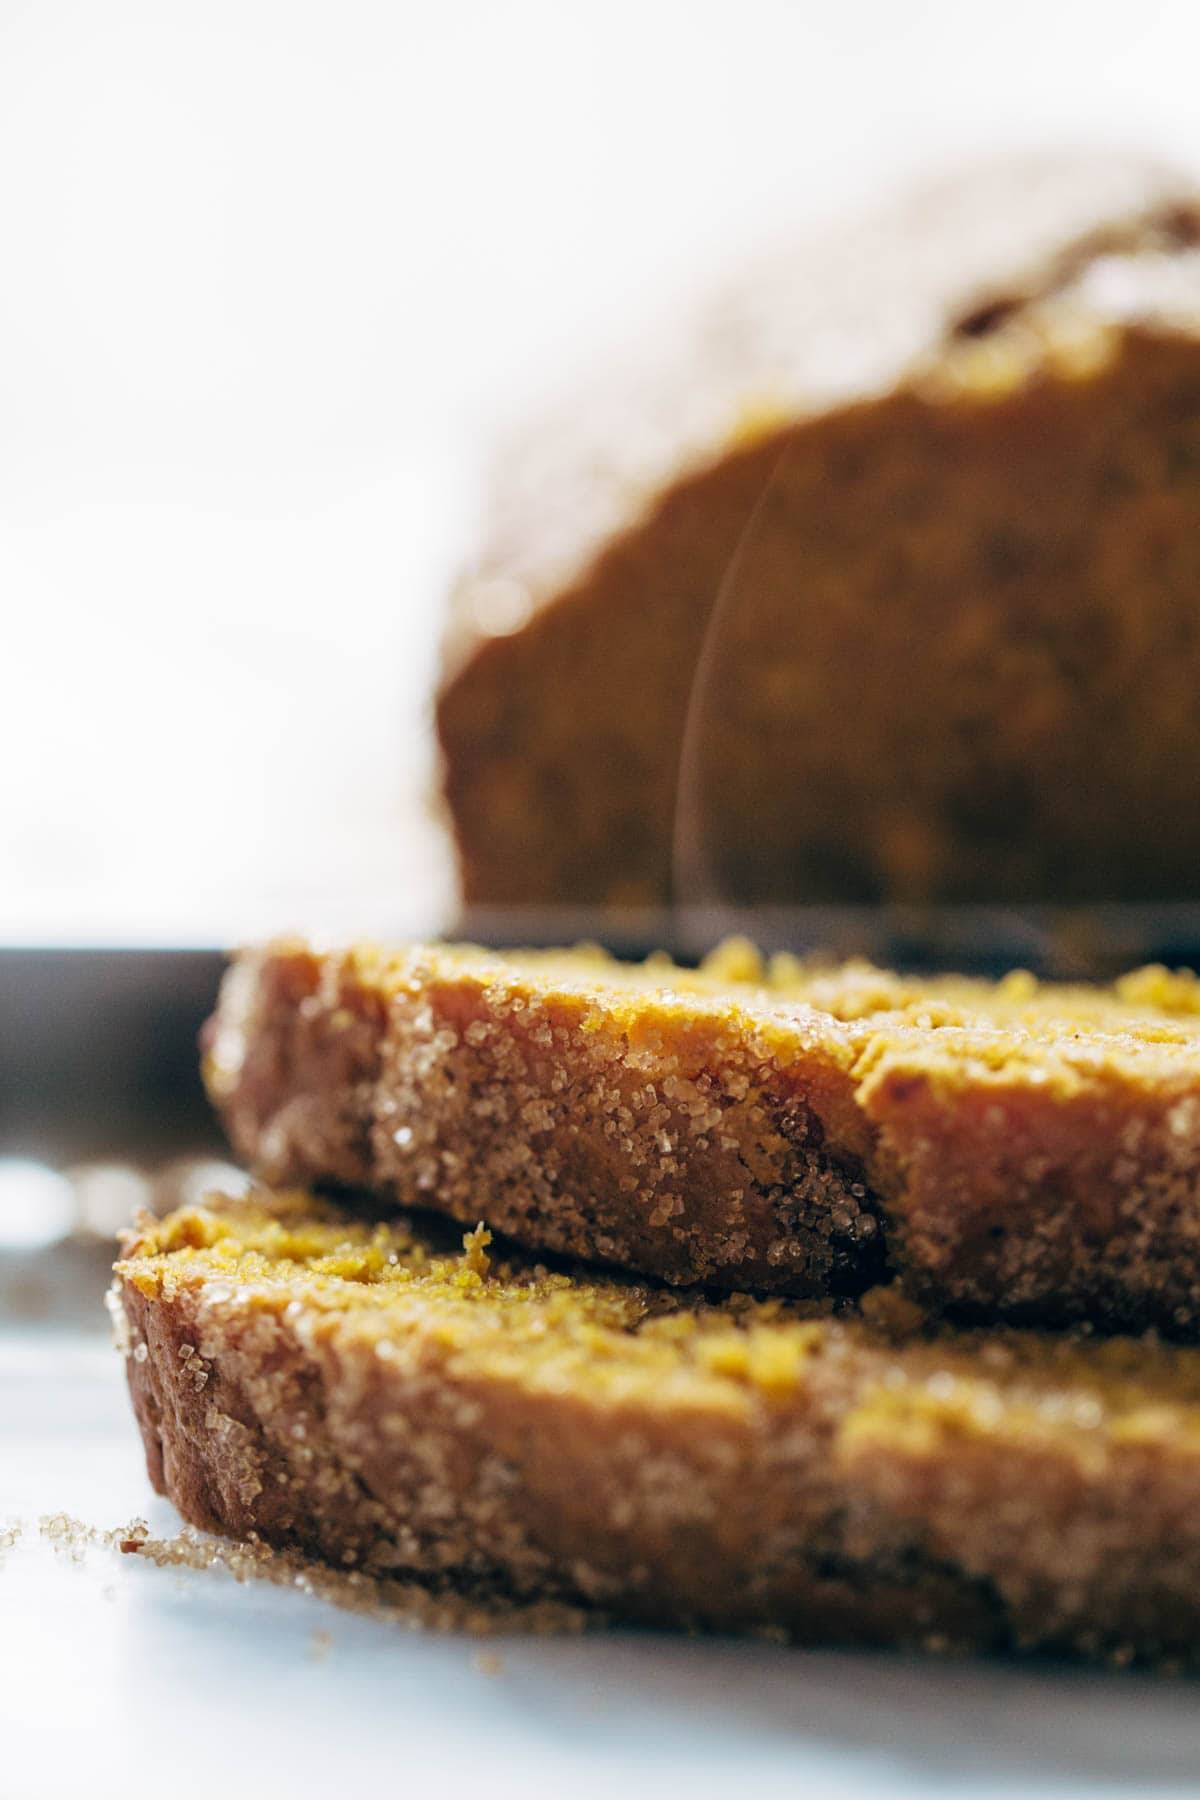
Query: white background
pixel 273 273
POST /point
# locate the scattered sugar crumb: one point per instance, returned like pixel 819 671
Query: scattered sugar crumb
pixel 436 1604
pixel 475 1249
pixel 72 1538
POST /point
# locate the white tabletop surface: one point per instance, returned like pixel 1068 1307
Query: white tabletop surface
pixel 117 1676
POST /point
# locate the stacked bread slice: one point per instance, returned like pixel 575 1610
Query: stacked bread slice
pixel 811 1301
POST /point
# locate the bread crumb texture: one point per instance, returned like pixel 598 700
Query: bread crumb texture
pixel 368 1394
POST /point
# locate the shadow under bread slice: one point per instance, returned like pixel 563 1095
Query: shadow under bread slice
pixel 1014 1151
pixel 842 1474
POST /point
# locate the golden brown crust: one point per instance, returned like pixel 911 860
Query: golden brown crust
pixel 1016 1151
pixel 959 657
pixel 355 1391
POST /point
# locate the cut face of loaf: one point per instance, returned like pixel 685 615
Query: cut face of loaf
pixel 1005 1151
pixel 943 602
pixel 364 1394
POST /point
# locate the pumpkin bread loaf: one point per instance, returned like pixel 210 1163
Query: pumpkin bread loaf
pixel 882 584
pixel 361 1393
pixel 1004 1150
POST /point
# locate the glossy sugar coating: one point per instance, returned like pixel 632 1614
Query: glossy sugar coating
pixel 365 1393
pixel 1006 1150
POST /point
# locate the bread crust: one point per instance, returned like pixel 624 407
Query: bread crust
pixel 349 1390
pixel 1008 1150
